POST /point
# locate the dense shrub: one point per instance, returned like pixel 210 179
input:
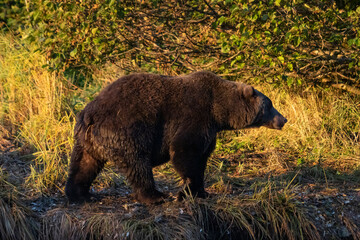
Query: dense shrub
pixel 12 14
pixel 282 42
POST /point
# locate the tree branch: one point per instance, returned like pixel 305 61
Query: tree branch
pixel 347 88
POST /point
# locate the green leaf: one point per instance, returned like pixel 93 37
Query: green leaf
pixel 357 42
pixel 290 66
pixel 233 62
pixel 94 30
pixel 63 25
pixel 101 47
pixel 221 20
pixel 281 59
pixel 235 9
pixel 272 64
pixel 350 42
pixel 112 2
pixel 73 52
pixel 48 41
pixel 97 40
pixel 288 35
pixel 289 81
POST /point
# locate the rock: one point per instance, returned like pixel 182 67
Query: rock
pixel 344 232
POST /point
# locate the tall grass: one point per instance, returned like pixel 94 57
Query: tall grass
pixel 323 127
pixel 16 220
pixel 33 101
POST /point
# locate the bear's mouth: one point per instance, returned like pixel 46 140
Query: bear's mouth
pixel 273 126
pixel 276 123
pixel 280 125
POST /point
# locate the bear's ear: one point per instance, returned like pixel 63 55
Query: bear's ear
pixel 249 91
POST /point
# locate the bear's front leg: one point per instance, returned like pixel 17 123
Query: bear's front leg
pixel 190 159
pixel 141 179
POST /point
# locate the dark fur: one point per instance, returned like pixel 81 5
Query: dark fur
pixel 144 120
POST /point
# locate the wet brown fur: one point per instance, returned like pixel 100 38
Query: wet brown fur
pixel 144 120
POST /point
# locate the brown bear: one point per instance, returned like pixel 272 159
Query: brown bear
pixel 141 121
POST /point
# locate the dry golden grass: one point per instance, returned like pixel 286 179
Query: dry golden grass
pixel 270 213
pixel 16 220
pixel 323 127
pixel 33 101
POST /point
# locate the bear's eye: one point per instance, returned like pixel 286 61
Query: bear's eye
pixel 270 105
pixel 267 103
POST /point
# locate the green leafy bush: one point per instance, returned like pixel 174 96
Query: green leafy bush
pixel 281 42
pixel 290 42
pixel 76 34
pixel 12 14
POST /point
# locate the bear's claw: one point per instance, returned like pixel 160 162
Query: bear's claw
pixel 150 197
pixel 200 194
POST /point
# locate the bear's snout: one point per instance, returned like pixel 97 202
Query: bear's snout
pixel 279 122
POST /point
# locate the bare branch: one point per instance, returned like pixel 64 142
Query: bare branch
pixel 347 88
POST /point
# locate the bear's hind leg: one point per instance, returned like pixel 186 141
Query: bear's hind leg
pixel 83 170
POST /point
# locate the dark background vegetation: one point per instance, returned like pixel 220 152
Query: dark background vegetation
pixel 294 43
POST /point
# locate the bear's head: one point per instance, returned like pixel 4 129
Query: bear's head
pixel 238 106
pixel 263 112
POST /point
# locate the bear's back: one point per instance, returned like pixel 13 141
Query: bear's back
pixel 147 97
